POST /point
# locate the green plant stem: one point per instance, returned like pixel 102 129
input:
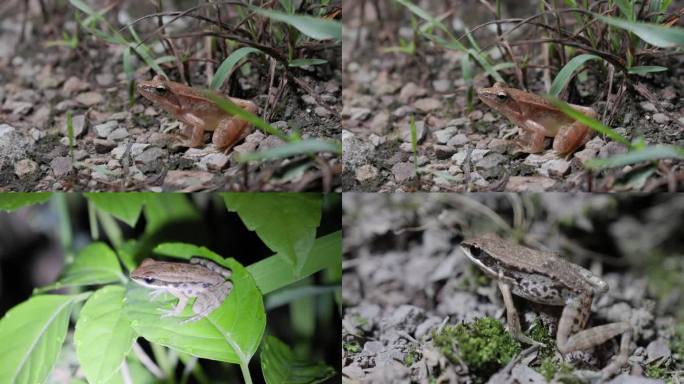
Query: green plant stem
pixel 110 228
pixel 92 220
pixel 244 367
pixel 65 234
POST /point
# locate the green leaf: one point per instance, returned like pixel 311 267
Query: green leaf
pixel 315 28
pixel 274 272
pixel 32 335
pixel 125 206
pixel 642 70
pixel 305 62
pixel 94 264
pixel 654 34
pixel 285 222
pixel 103 336
pixel 302 147
pixel 164 208
pixel 230 333
pixel 588 121
pixel 565 74
pixel 10 201
pixel 652 153
pixel 279 365
pixel 227 66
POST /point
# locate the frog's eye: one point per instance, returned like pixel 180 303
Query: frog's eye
pixel 148 280
pixel 502 96
pixel 160 90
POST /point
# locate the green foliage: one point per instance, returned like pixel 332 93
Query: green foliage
pixel 565 74
pixel 125 206
pixel 412 355
pixel 656 35
pixel 10 201
pixel 226 67
pixel 483 345
pixel 549 368
pixel 285 222
pixel 103 336
pixel 279 365
pixel 540 333
pixel 315 28
pixel 274 272
pixel 352 347
pixel 656 371
pixel 32 334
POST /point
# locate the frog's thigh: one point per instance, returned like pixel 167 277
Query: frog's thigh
pixel 569 139
pixel 211 299
pixel 228 133
pixel 532 137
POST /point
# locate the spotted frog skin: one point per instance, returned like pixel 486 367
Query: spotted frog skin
pixel 197 112
pixel 545 278
pixel 201 279
pixel 537 119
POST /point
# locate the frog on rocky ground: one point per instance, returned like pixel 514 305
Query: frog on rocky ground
pixel 199 113
pixel 545 278
pixel 201 279
pixel 537 119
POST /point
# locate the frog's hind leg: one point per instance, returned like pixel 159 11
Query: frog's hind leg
pixel 571 336
pixel 210 265
pixel 229 133
pixel 209 300
pixel 568 140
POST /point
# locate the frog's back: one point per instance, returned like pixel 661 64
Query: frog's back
pixel 515 257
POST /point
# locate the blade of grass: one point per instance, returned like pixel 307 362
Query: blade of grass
pixel 653 34
pixel 565 74
pixel 227 66
pixel 642 70
pixel 314 27
pixel 655 152
pixel 303 147
pixel 414 143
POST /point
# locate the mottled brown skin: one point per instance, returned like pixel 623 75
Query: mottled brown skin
pixel 200 114
pixel 537 118
pixel 201 278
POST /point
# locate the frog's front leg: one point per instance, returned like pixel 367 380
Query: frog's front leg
pixel 571 336
pixel 512 318
pixel 532 137
pixel 198 128
pixel 182 302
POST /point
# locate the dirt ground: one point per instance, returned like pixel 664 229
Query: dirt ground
pixel 475 150
pixel 405 278
pixel 138 146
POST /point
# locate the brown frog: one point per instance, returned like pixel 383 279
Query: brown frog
pixel 537 119
pixel 197 112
